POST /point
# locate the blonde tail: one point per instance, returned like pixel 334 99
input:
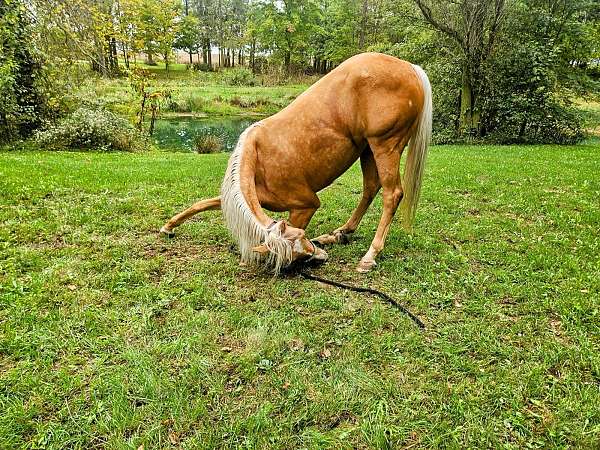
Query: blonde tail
pixel 417 154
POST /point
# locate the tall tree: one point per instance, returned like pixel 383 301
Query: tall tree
pixel 189 35
pixel 22 79
pixel 156 24
pixel 473 26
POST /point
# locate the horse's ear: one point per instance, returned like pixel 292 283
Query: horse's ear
pixel 260 249
pixel 282 226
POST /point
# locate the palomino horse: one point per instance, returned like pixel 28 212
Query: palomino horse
pixel 369 107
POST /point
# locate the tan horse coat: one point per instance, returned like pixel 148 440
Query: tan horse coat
pixel 369 108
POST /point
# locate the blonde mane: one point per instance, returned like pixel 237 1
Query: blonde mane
pixel 243 225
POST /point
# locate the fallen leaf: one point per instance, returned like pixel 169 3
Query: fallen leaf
pixel 296 345
pixel 286 385
pixel 173 438
pixel 226 349
pixel 325 353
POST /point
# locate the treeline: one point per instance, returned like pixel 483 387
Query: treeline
pixel 502 70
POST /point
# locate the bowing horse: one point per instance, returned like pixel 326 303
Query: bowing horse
pixel 369 108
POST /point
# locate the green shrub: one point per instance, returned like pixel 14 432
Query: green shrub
pixel 176 106
pixel 239 76
pixel 243 102
pixel 91 129
pixel 202 67
pixel 208 143
pixel 29 94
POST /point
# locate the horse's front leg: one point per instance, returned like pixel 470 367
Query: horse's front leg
pixel 371 186
pixel 300 218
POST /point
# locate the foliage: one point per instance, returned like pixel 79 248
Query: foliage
pixel 207 143
pixel 516 78
pixel 286 28
pixel 90 129
pixel 521 104
pixel 202 67
pixel 27 96
pixel 150 97
pixel 188 35
pixel 239 76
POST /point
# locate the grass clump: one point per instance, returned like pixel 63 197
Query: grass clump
pixel 208 143
pixel 239 76
pixel 91 129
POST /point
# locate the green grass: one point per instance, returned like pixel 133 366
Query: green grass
pixel 197 93
pixel 591 115
pixel 112 337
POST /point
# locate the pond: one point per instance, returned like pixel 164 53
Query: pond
pixel 180 134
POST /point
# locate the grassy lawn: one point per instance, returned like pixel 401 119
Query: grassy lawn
pixel 112 337
pixel 591 114
pixel 197 93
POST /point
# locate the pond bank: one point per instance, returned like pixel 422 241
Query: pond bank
pixel 181 133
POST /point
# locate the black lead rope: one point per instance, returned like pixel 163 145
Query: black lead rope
pixel 383 295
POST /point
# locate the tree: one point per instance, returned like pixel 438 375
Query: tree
pixel 533 75
pixel 189 35
pixel 156 26
pixel 473 25
pixel 287 27
pixel 22 79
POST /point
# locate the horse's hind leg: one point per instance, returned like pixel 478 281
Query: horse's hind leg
pixel 387 159
pixel 371 186
pixel 203 205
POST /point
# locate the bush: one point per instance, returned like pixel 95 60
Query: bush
pixel 202 67
pixel 239 76
pixel 173 105
pixel 91 129
pixel 208 143
pixel 29 93
pixel 249 102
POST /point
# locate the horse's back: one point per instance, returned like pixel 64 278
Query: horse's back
pixel 366 95
pixel 321 133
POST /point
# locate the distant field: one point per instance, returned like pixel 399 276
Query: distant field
pixel 113 337
pixel 196 93
pixel 591 112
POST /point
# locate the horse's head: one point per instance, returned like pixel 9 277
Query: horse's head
pixel 301 248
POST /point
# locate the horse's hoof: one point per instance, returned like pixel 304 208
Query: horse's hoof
pixel 167 233
pixel 365 266
pixel 325 239
pixel 343 237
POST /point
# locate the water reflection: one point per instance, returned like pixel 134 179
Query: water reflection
pixel 180 134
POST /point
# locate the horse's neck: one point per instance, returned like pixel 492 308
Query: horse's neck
pixel 243 214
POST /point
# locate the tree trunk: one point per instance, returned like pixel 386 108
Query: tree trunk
pixel 100 63
pixel 469 109
pixel 125 53
pixel 363 24
pixel 252 57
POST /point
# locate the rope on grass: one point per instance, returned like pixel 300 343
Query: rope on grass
pixel 380 294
